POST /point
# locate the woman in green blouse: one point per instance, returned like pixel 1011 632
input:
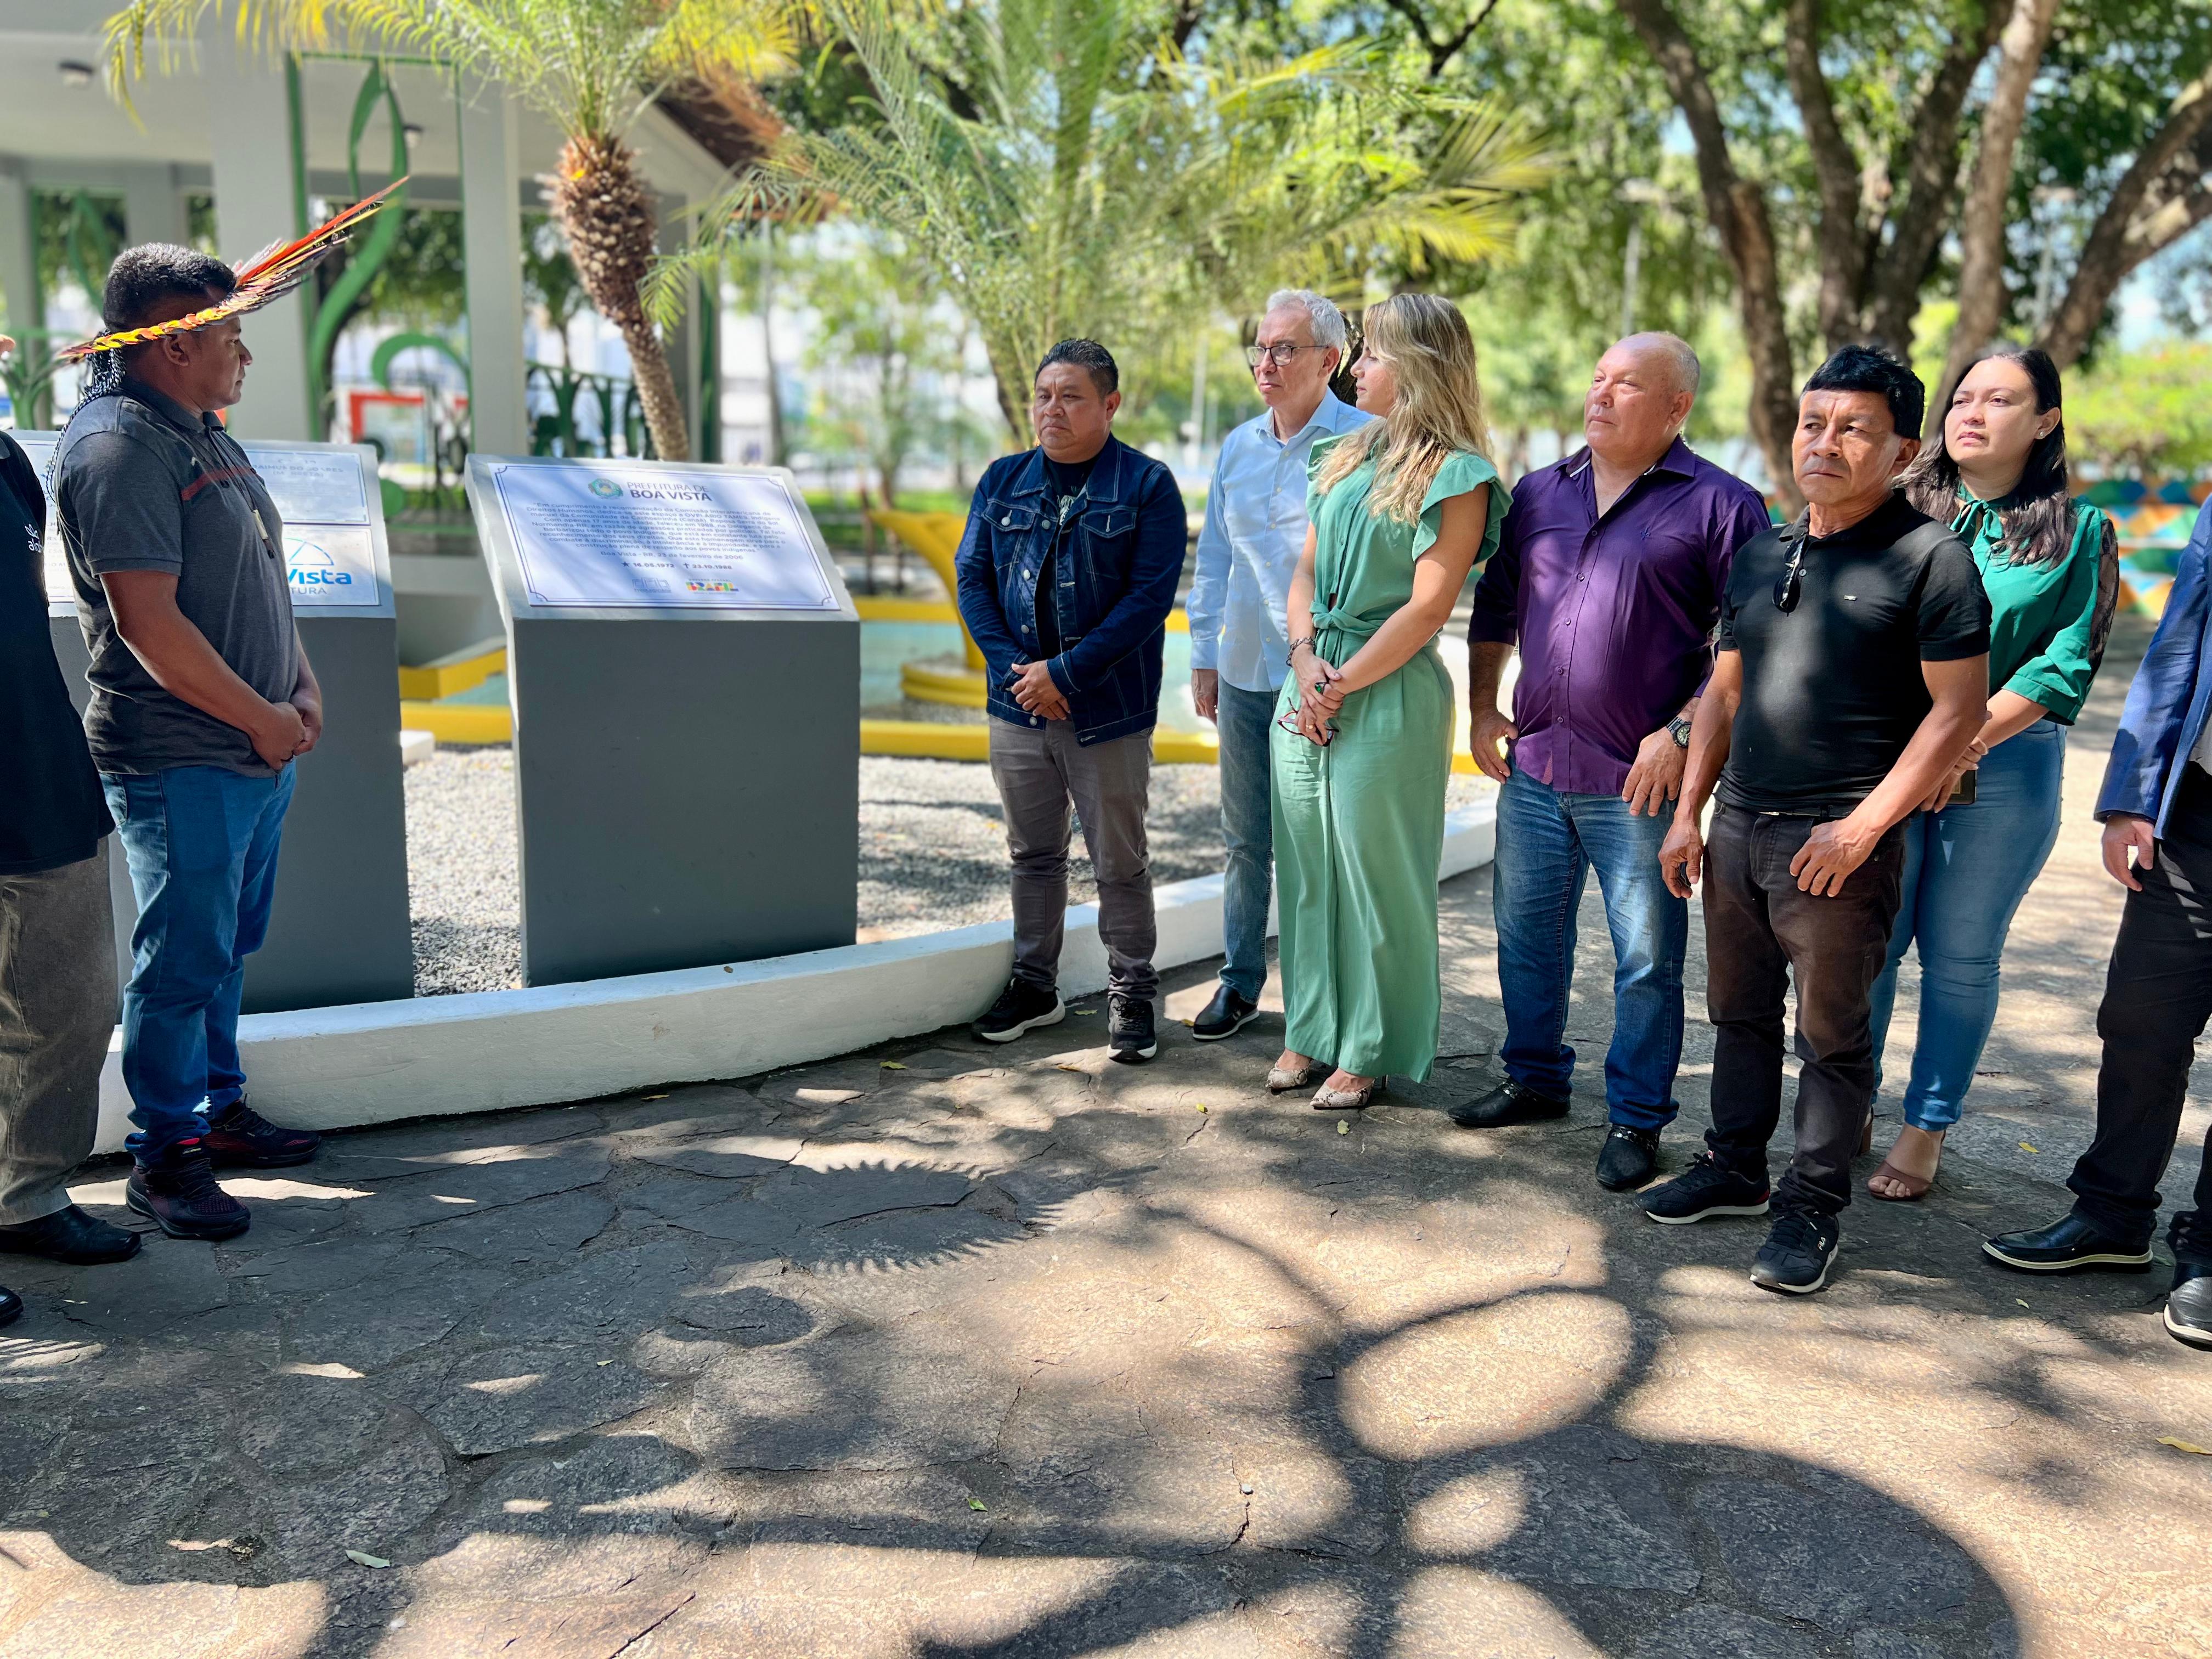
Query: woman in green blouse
pixel 2051 566
pixel 1402 509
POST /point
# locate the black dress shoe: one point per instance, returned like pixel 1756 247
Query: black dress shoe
pixel 2066 1245
pixel 2189 1304
pixel 1509 1103
pixel 11 1306
pixel 1627 1158
pixel 1230 1012
pixel 71 1236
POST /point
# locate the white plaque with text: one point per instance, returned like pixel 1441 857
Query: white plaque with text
pixel 661 537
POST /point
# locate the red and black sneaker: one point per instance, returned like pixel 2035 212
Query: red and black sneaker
pixel 177 1189
pixel 239 1138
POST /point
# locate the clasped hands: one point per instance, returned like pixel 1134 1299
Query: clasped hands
pixel 1321 693
pixel 1032 687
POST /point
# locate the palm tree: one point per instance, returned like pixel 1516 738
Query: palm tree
pixel 1066 171
pixel 591 67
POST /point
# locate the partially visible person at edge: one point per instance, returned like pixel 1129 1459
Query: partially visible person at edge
pixel 57 950
pixel 2156 806
pixel 2051 569
pixel 1255 529
pixel 202 698
pixel 1608 578
pixel 1853 672
pixel 1402 509
pixel 1066 574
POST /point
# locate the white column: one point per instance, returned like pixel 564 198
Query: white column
pixel 19 269
pixel 153 206
pixel 491 247
pixel 249 122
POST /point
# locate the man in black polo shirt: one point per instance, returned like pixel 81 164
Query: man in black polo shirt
pixel 1852 674
pixel 57 963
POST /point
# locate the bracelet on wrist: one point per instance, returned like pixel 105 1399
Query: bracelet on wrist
pixel 1291 654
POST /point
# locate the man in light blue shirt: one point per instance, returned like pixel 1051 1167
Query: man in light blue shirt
pixel 1255 530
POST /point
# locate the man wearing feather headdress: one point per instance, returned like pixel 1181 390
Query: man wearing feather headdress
pixel 202 698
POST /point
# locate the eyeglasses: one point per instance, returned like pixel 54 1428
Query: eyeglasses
pixel 1278 354
pixel 1791 582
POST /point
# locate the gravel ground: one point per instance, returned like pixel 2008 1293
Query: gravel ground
pixel 933 855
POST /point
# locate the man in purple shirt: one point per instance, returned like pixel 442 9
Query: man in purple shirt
pixel 1609 579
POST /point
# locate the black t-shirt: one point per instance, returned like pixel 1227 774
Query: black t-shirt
pixel 1064 484
pixel 52 812
pixel 1832 691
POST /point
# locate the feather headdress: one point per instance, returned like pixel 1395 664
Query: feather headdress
pixel 269 275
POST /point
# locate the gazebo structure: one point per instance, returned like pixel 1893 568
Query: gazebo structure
pixel 260 139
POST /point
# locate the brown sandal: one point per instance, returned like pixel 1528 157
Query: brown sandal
pixel 1916 1187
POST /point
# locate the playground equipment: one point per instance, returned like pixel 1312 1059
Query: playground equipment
pixel 936 537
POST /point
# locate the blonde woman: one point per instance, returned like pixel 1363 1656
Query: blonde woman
pixel 1402 509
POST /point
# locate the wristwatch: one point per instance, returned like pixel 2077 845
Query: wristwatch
pixel 1679 729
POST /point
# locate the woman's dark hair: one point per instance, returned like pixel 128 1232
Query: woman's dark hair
pixel 2038 517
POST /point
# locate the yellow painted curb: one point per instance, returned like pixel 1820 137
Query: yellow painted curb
pixel 957 688
pixel 446 679
pixel 459 722
pixel 926 740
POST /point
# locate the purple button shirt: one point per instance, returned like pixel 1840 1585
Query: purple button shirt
pixel 1612 615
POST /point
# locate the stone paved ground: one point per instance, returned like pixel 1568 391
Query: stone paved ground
pixel 936 1351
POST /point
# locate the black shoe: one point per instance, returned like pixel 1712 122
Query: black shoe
pixel 1800 1249
pixel 239 1138
pixel 180 1192
pixel 1627 1158
pixel 1509 1103
pixel 2066 1245
pixel 2189 1304
pixel 1703 1190
pixel 11 1306
pixel 71 1236
pixel 1230 1012
pixel 1021 1007
pixel 1129 1033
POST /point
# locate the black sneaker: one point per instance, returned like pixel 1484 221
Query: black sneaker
pixel 1230 1012
pixel 1703 1190
pixel 1628 1157
pixel 11 1306
pixel 71 1236
pixel 239 1138
pixel 1509 1103
pixel 2189 1304
pixel 179 1191
pixel 1129 1033
pixel 2067 1245
pixel 1799 1250
pixel 1021 1007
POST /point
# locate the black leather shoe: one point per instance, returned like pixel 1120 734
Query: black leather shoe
pixel 71 1236
pixel 11 1306
pixel 2067 1245
pixel 179 1191
pixel 1509 1103
pixel 1627 1158
pixel 1230 1012
pixel 2189 1304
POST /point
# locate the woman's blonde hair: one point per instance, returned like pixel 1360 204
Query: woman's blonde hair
pixel 1438 411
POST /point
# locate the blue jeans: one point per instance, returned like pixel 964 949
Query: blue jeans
pixel 201 841
pixel 1966 869
pixel 1548 842
pixel 1248 832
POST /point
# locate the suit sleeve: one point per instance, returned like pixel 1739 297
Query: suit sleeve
pixel 2146 747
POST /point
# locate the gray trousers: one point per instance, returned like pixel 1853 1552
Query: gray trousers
pixel 1040 773
pixel 58 1000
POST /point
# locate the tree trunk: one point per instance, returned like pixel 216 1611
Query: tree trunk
pixel 1737 209
pixel 607 214
pixel 1843 245
pixel 1981 272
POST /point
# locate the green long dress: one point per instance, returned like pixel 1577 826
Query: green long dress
pixel 1360 822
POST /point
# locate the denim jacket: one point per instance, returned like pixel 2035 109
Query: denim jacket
pixel 1120 557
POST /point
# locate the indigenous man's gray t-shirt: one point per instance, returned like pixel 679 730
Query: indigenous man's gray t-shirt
pixel 141 484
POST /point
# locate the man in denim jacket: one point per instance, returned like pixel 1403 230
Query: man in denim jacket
pixel 1067 572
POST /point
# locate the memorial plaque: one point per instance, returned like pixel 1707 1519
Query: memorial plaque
pixel 659 537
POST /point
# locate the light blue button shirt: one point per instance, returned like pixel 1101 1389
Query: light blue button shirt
pixel 1255 528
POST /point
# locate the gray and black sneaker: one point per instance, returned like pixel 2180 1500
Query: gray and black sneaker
pixel 1130 1037
pixel 1703 1190
pixel 1021 1007
pixel 1798 1253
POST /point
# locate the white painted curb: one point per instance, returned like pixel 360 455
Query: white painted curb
pixel 377 1062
